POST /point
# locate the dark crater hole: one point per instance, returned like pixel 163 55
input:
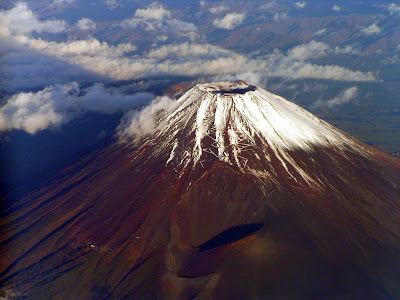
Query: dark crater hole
pixel 230 235
pixel 235 90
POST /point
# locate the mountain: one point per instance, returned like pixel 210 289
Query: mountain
pixel 240 194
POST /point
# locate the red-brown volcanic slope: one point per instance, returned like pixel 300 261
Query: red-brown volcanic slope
pixel 123 223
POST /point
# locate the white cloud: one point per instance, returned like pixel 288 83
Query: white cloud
pixel 336 8
pixel 21 20
pixel 280 16
pixel 320 32
pixel 301 4
pixel 344 97
pixel 372 29
pixel 393 8
pixel 138 124
pixel 57 105
pixel 86 24
pixel 230 21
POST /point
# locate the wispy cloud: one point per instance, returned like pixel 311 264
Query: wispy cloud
pixel 320 32
pixel 344 97
pixel 230 21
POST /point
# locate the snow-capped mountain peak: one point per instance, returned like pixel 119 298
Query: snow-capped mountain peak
pixel 237 122
pixel 239 187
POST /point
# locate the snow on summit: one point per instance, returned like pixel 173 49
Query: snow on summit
pixel 236 122
pixel 232 111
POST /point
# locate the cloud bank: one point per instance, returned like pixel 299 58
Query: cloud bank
pixel 32 62
pixel 29 61
pixel 57 105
